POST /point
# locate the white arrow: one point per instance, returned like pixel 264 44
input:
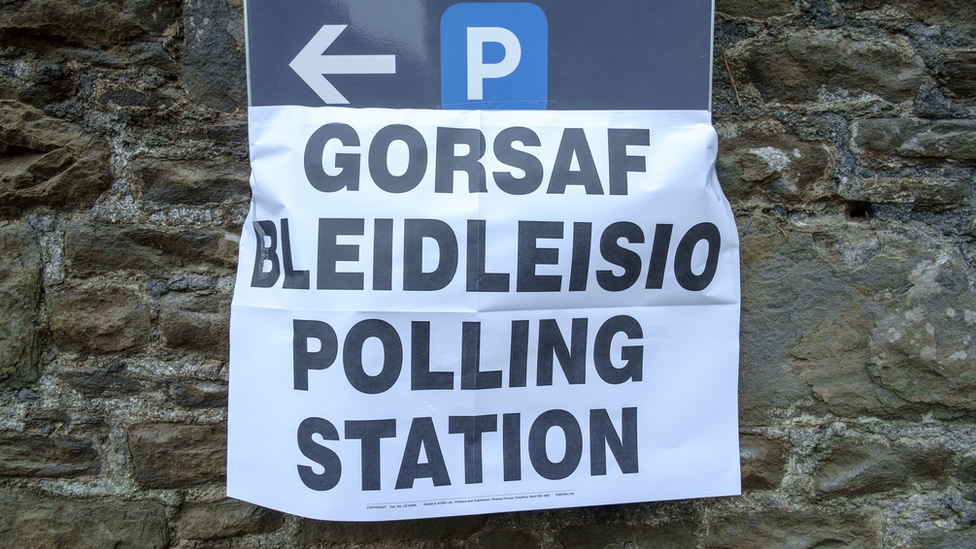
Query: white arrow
pixel 312 65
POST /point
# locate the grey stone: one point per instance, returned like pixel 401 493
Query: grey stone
pixel 44 522
pixel 497 538
pixel 763 462
pixel 763 163
pixel 932 538
pixel 97 248
pixel 797 66
pixel 101 383
pixel 176 455
pixel 20 295
pixel 213 56
pixel 164 183
pixel 755 9
pixel 953 12
pixel 958 75
pixel 78 23
pixel 46 161
pixel 153 15
pixel 856 469
pixel 224 519
pixel 966 472
pixel 924 193
pixel 199 394
pixel 614 535
pixel 435 530
pixel 805 529
pixel 894 142
pixel 106 319
pixel 23 455
pixel 197 323
pixel 821 310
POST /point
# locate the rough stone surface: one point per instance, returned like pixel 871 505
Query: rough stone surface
pixel 45 161
pixel 958 74
pixel 616 535
pixel 803 64
pixel 754 9
pixel 196 323
pixel 436 530
pixel 93 248
pixel 892 142
pixel 164 183
pixel 20 293
pixel 504 539
pixel 226 519
pixel 763 463
pixel 174 455
pixel 105 319
pixel 42 456
pixel 932 193
pixel 936 539
pixel 199 394
pixel 45 522
pixel 764 163
pixel 795 529
pixel 857 469
pixel 213 61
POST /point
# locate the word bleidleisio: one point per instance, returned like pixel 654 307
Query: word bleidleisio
pixel 269 264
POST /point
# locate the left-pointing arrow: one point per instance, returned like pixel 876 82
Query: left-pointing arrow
pixel 312 65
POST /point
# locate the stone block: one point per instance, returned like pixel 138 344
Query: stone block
pixel 153 15
pixel 77 23
pixel 23 455
pixel 798 65
pixel 196 323
pixel 855 469
pixel 932 538
pixel 966 472
pixel 808 528
pixel 958 75
pixel 853 315
pixel 440 530
pixel 99 320
pixel 175 455
pixel 199 394
pixel 755 9
pixel 896 142
pixel 46 161
pixel 763 462
pixel 933 12
pixel 924 349
pixel 923 193
pixel 225 519
pixel 47 522
pixel 20 300
pixel 164 183
pixel 213 54
pixel 763 163
pixel 498 538
pixel 615 535
pixel 104 383
pixel 98 248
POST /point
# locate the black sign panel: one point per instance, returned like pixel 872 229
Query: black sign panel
pixel 432 54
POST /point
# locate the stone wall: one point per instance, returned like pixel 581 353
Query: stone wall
pixel 848 152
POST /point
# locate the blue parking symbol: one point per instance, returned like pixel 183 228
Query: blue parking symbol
pixel 494 56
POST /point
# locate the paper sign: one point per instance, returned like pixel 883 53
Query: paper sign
pixel 450 312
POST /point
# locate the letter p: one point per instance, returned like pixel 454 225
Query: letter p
pixel 494 55
pixel 478 70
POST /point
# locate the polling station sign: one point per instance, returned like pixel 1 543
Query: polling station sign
pixel 466 287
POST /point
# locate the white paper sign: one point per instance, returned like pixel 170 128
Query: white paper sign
pixel 454 312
